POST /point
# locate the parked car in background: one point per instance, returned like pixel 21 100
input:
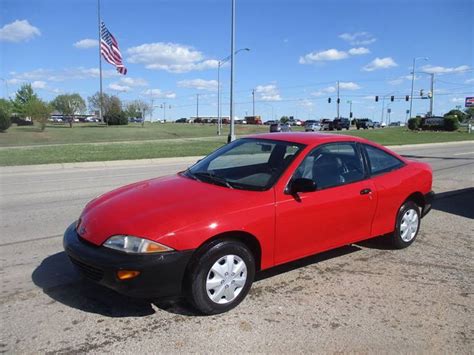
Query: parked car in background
pixel 383 124
pixel 280 127
pixel 181 120
pixel 268 123
pixel 327 125
pixel 312 126
pixel 394 124
pixel 377 124
pixel 341 123
pixel 280 197
pixel 364 123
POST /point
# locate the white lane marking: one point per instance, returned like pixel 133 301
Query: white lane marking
pixel 466 153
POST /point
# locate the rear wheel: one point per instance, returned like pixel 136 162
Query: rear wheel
pixel 407 225
pixel 221 277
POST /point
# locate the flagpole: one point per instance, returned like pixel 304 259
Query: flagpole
pixel 100 65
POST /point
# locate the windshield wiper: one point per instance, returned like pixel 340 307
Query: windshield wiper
pixel 213 178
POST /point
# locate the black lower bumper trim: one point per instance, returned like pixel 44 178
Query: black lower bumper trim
pixel 161 275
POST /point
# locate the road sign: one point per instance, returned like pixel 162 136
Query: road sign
pixel 469 102
pixel 389 110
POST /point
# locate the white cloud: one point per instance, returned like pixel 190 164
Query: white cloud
pixel 380 63
pixel 268 92
pixel 134 81
pixel 469 81
pixel 199 84
pixel 78 73
pixel 329 54
pixel 86 43
pixel 444 70
pixel 349 86
pixel 306 103
pixel 343 85
pixel 358 38
pixel 38 84
pixel 401 79
pixel 118 87
pixel 359 51
pixel 158 94
pixel 172 57
pixel 457 100
pixel 18 30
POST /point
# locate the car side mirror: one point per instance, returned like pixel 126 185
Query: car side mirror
pixel 302 185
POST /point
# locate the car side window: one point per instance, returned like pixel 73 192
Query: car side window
pixel 332 165
pixel 380 161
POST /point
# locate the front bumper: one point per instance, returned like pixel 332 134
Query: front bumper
pixel 161 275
pixel 429 197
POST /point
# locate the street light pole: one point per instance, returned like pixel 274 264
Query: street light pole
pixel 232 62
pixel 253 102
pixel 413 81
pixel 219 65
pixel 338 100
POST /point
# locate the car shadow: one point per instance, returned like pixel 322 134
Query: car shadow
pixel 457 202
pixel 60 281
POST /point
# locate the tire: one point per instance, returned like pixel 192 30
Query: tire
pixel 407 225
pixel 222 256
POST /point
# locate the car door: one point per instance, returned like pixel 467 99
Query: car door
pixel 339 212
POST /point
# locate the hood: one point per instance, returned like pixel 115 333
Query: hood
pixel 158 207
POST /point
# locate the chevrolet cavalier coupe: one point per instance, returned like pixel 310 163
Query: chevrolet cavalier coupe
pixel 255 203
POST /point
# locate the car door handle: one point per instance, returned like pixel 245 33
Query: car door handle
pixel 365 191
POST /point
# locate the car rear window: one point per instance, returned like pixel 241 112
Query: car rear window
pixel 381 161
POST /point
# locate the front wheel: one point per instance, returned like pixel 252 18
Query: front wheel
pixel 221 277
pixel 407 225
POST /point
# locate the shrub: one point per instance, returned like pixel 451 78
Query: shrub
pixel 115 118
pixel 414 123
pixel 451 123
pixel 5 121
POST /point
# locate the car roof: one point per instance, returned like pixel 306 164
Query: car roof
pixel 308 138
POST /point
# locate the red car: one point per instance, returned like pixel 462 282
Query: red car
pixel 255 203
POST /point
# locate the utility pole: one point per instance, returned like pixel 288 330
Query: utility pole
pixel 101 100
pixel 432 94
pixel 197 105
pixel 232 63
pixel 219 120
pixel 338 100
pixel 253 102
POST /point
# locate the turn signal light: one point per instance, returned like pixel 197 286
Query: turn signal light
pixel 127 274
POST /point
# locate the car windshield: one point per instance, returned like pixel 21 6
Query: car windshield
pixel 247 164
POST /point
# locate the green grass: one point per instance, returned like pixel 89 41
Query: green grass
pixel 21 144
pixel 94 133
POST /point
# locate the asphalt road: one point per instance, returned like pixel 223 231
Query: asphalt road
pixel 360 298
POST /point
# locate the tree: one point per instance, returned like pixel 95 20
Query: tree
pixel 110 103
pixel 137 109
pixel 470 113
pixel 39 111
pixel 462 116
pixel 23 96
pixel 68 105
pixel 116 118
pixel 5 113
pixel 284 119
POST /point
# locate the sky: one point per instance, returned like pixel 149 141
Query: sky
pixel 299 49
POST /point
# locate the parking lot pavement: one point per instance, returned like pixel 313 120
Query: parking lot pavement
pixel 360 298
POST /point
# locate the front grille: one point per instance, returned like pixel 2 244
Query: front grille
pixel 90 271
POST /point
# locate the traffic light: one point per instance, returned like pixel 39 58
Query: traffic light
pixel 329 100
pixel 376 99
pixel 350 115
pixel 392 98
pixel 421 92
pixel 338 101
pixel 407 98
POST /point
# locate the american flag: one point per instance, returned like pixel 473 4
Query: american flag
pixel 110 50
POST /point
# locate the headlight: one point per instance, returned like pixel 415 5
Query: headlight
pixel 135 245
